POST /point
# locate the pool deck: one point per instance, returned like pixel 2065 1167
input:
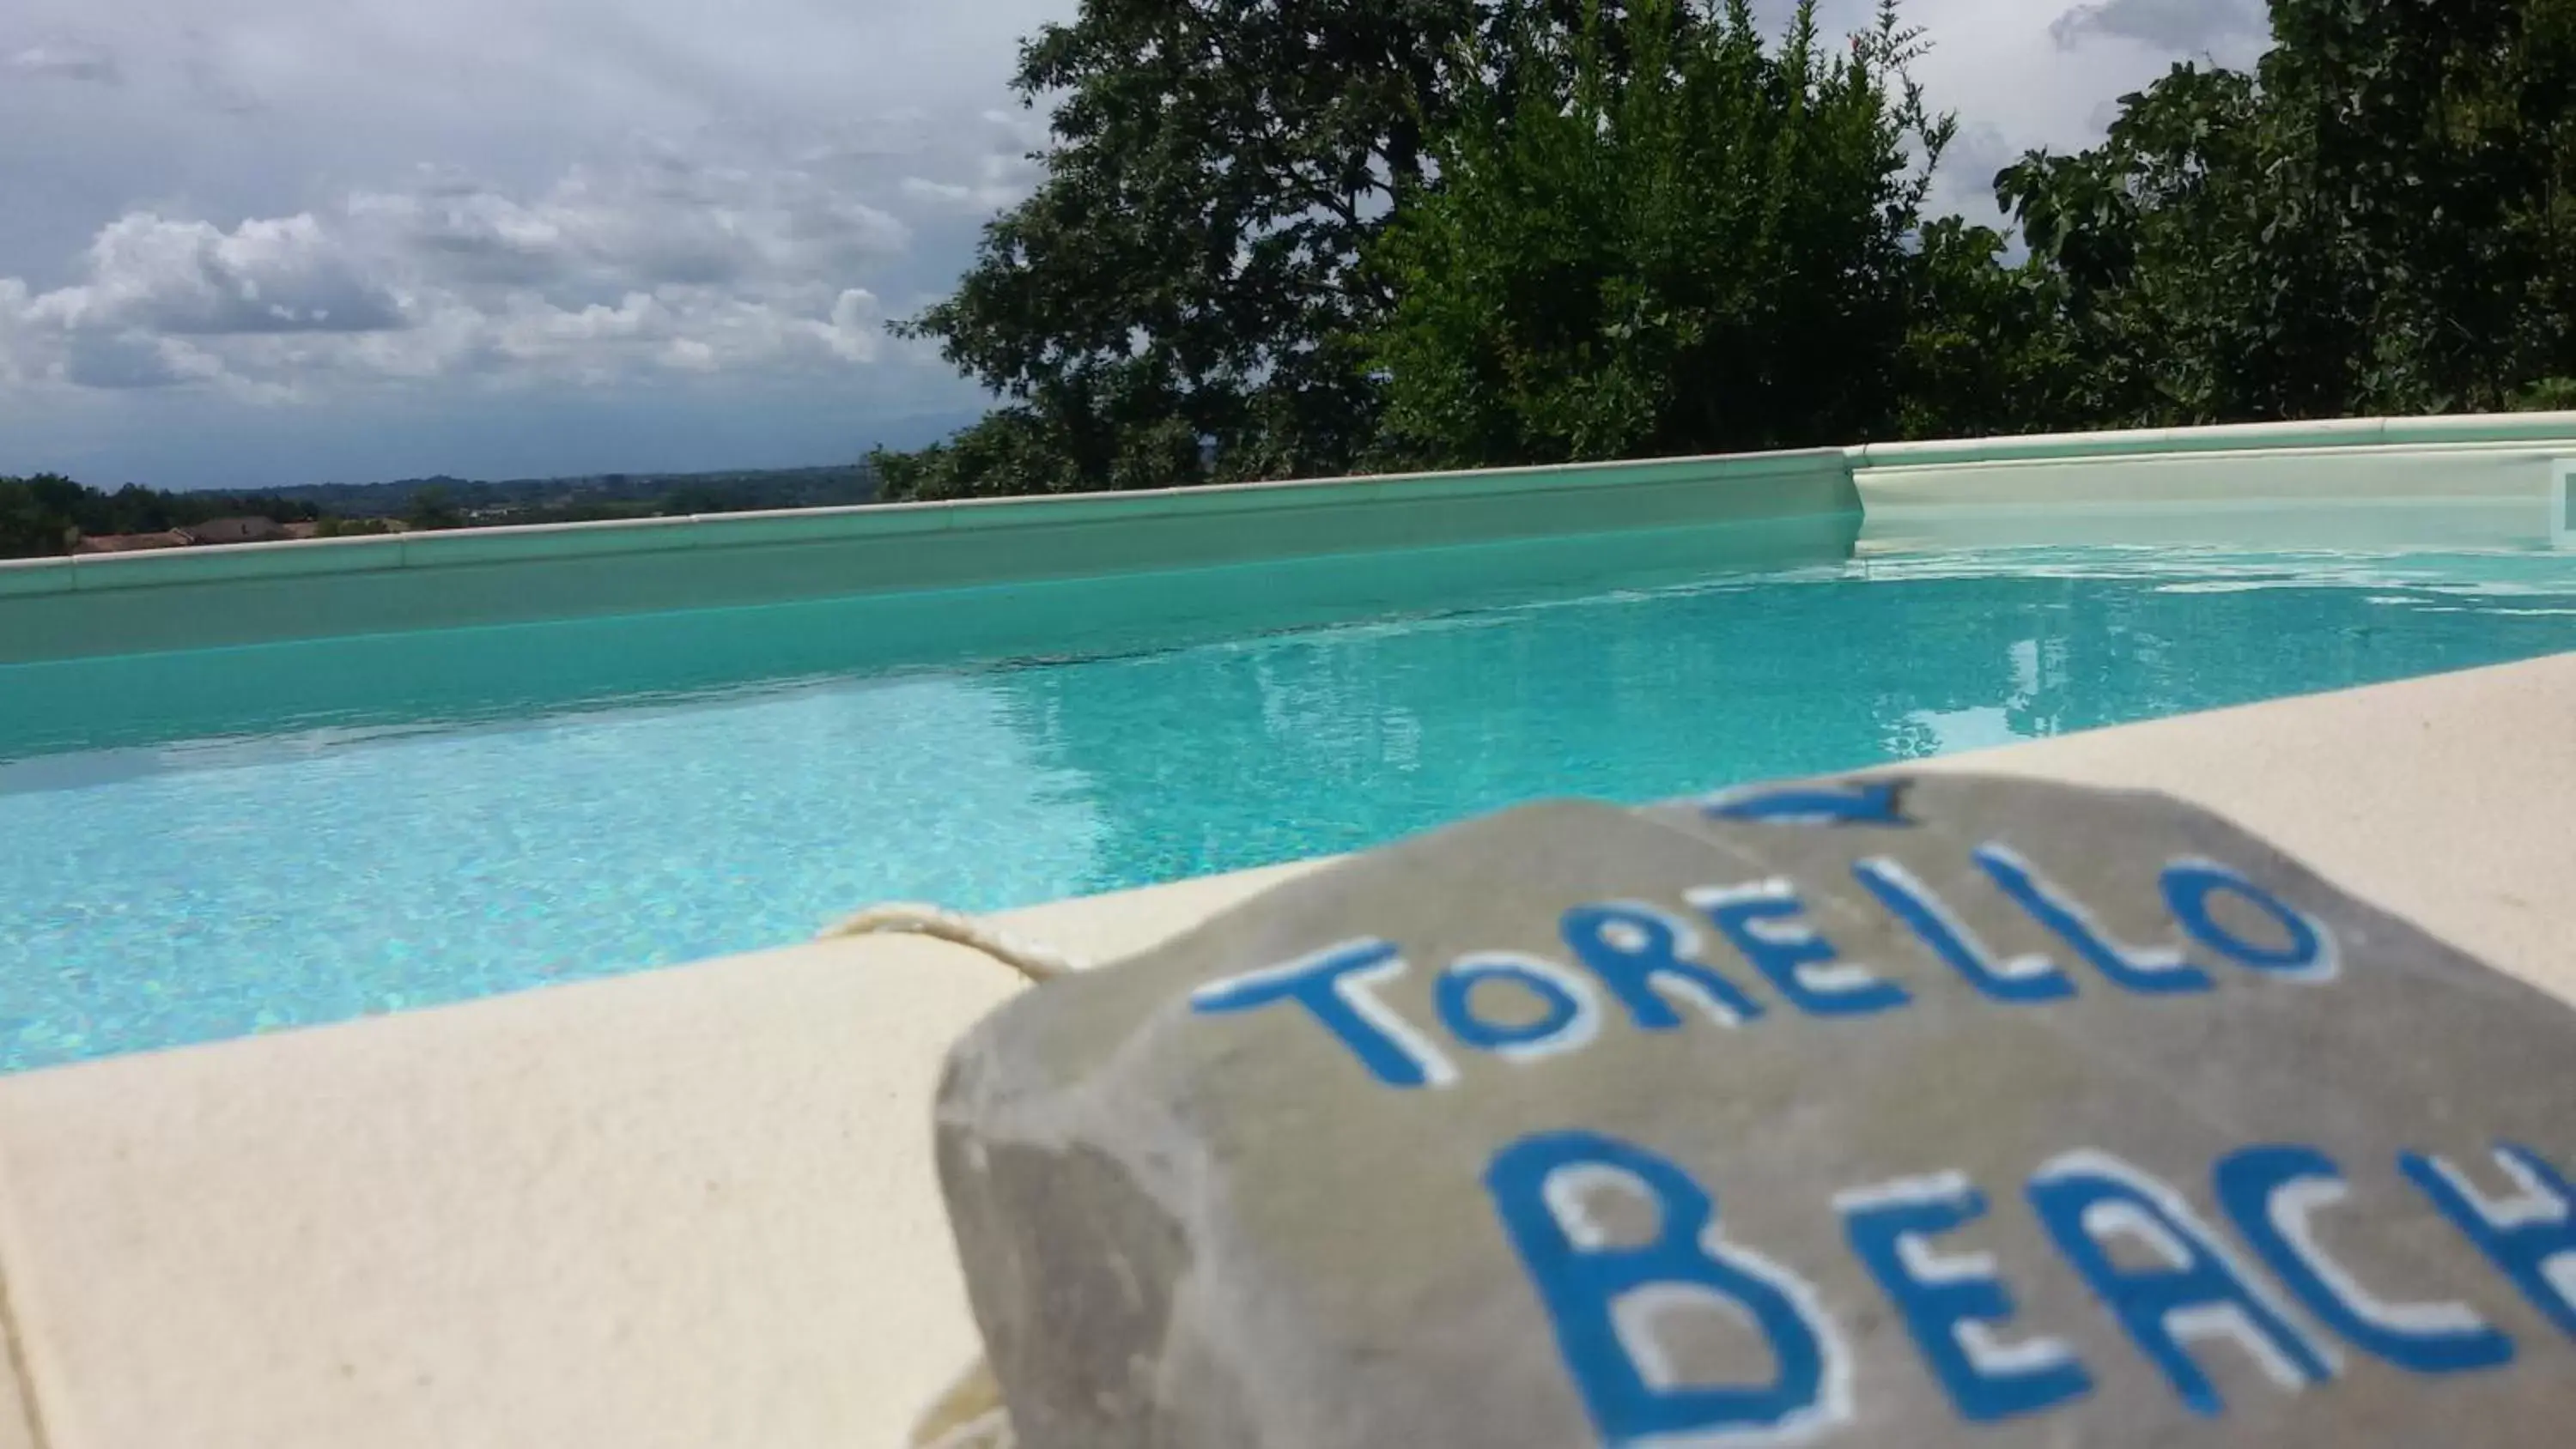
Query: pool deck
pixel 695 1207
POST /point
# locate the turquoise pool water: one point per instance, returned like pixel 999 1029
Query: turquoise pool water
pixel 205 845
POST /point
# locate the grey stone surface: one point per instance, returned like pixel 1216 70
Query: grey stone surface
pixel 2017 1113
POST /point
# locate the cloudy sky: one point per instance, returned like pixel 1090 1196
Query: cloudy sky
pixel 278 241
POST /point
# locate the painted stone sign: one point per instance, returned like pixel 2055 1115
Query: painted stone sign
pixel 1924 1112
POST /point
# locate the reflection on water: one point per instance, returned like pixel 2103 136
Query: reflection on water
pixel 374 683
pixel 323 883
pixel 173 889
pixel 1227 756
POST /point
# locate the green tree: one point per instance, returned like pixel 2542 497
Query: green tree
pixel 1021 448
pixel 1984 352
pixel 1183 299
pixel 1712 244
pixel 1280 238
pixel 46 513
pixel 434 507
pixel 2378 218
pixel 39 515
pixel 27 528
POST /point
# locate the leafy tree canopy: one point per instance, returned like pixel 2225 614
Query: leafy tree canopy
pixel 1184 297
pixel 47 513
pixel 1699 242
pixel 2377 219
pixel 1300 238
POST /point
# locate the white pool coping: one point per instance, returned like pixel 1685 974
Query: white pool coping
pixel 695 1207
pixel 199 598
pixel 2467 481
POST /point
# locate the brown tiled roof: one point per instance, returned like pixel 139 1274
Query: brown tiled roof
pixel 234 530
pixel 130 542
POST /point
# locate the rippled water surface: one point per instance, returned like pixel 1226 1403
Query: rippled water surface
pixel 199 846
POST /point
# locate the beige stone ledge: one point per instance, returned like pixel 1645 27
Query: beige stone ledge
pixel 695 1207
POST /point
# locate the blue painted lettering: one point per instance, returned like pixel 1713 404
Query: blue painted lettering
pixel 1645 957
pixel 2087 1198
pixel 1764 921
pixel 1570 1016
pixel 2306 951
pixel 2531 1235
pixel 1950 1304
pixel 2022 979
pixel 2152 970
pixel 1869 803
pixel 1605 1302
pixel 2273 1194
pixel 1337 985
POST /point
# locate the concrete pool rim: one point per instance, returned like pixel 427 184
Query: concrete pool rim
pixel 2490 478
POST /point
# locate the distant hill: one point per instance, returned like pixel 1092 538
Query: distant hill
pixel 48 514
pixel 592 496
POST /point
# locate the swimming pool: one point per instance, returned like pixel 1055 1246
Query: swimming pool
pixel 203 845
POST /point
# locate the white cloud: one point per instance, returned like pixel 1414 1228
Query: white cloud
pixel 660 220
pixel 17 349
pixel 1002 179
pixel 213 81
pixel 72 60
pixel 190 278
pixel 288 200
pixel 2018 84
pixel 658 264
pixel 430 216
pixel 105 359
pixel 2171 27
